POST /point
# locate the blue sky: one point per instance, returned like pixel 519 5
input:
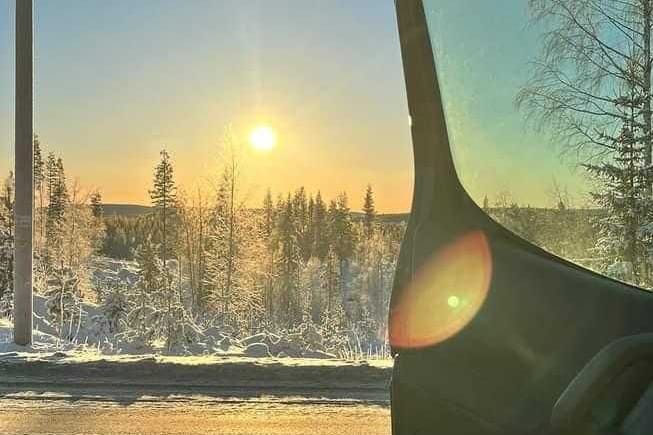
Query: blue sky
pixel 484 50
pixel 118 80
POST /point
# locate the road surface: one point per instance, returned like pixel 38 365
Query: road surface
pixel 233 397
pixel 98 418
pixel 49 408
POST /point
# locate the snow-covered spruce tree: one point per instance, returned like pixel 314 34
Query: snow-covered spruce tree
pixel 302 222
pixel 7 248
pixel 56 213
pixel 225 252
pixel 114 306
pixel 343 241
pixel 63 304
pixel 319 228
pixel 366 283
pixel 219 250
pixel 40 192
pixel 96 205
pixel 369 211
pixel 622 194
pixel 96 223
pixel 156 311
pixel 164 215
pixel 375 260
pixel 169 320
pixel 312 284
pixel 268 224
pixel 7 304
pixel 288 309
pixel 143 298
pixel 175 325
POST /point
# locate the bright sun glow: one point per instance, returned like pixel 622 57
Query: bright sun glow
pixel 263 138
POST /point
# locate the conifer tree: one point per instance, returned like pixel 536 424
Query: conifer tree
pixel 145 297
pixel 57 204
pixel 268 227
pixel 40 188
pixel 624 195
pixel 157 310
pixel 268 215
pixel 369 210
pixel 96 205
pixel 114 306
pixel 343 240
pixel 319 224
pixel 164 203
pixel 7 248
pixel 289 260
pixel 302 221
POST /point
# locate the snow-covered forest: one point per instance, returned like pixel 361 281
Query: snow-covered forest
pixel 299 275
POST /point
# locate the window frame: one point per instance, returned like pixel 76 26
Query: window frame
pixel 435 169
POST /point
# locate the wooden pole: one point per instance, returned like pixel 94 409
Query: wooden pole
pixel 24 174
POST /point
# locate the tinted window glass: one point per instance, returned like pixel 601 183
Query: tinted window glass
pixel 548 110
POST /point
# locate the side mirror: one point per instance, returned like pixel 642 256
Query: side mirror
pixel 612 394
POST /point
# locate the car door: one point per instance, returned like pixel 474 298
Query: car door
pixel 492 334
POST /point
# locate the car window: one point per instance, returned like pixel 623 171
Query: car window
pixel 549 120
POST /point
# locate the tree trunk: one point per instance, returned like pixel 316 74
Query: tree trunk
pixel 646 36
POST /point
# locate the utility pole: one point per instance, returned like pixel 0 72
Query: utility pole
pixel 24 174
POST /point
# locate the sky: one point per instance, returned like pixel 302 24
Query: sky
pixel 484 52
pixel 116 82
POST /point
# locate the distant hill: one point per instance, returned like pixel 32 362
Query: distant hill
pixel 392 218
pixel 127 210
pixel 133 210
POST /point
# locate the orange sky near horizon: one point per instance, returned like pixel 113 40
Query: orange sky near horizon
pixel 115 82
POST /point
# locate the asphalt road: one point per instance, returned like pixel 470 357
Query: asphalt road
pixel 40 417
pixel 159 397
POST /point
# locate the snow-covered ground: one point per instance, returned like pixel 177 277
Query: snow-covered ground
pixel 48 361
pixel 216 347
pixel 88 336
pixel 88 341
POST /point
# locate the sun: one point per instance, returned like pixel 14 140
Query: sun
pixel 263 138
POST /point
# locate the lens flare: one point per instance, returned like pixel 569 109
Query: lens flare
pixel 445 295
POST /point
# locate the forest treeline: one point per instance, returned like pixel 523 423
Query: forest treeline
pixel 295 260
